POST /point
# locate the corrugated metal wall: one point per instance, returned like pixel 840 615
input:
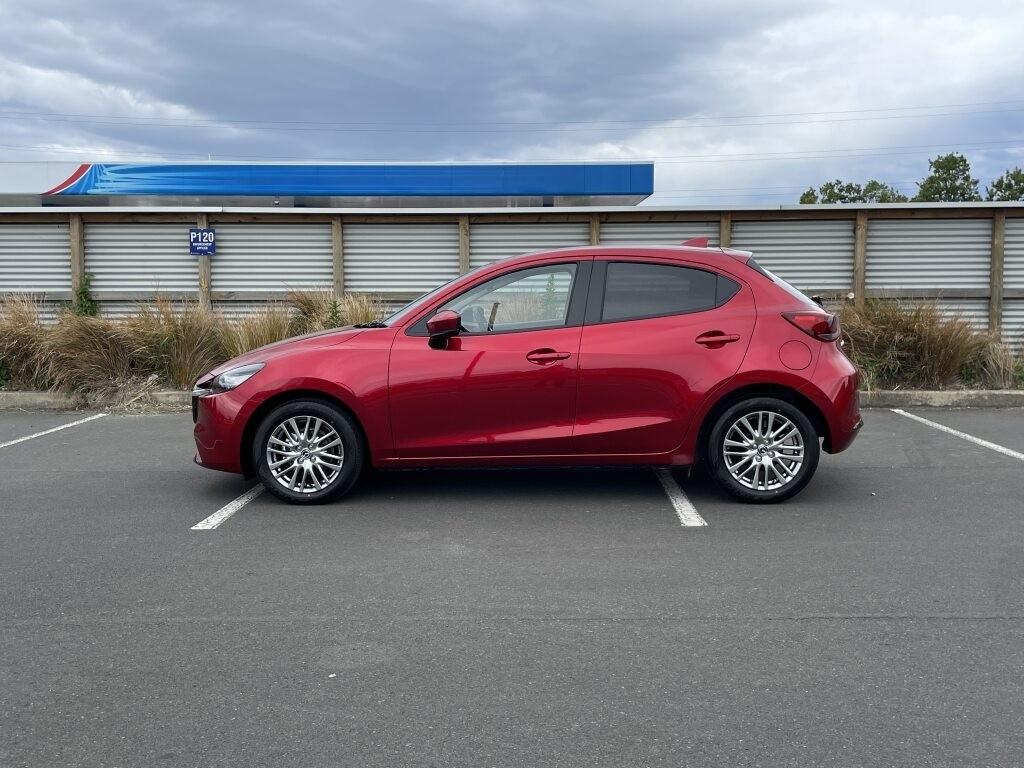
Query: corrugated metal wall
pixel 34 258
pixel 1013 254
pixel 928 253
pixel 140 257
pixel 974 311
pixel 1013 278
pixel 272 258
pixel 1013 323
pixel 657 232
pixel 809 254
pixel 490 242
pixel 400 257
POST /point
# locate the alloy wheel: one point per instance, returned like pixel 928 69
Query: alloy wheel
pixel 305 454
pixel 763 450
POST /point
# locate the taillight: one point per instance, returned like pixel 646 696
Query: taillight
pixel 822 326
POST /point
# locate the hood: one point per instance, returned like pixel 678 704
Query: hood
pixel 278 348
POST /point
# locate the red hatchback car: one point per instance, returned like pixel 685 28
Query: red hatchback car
pixel 665 356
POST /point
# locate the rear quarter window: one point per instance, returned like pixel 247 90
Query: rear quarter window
pixel 636 290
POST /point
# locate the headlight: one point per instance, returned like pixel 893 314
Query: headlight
pixel 229 379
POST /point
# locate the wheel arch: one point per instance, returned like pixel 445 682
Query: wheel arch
pixel 261 411
pixel 779 391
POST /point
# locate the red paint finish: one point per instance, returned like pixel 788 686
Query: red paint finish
pixel 630 391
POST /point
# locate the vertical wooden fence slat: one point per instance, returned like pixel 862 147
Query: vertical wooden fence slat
pixel 205 269
pixel 463 244
pixel 860 258
pixel 76 250
pixel 337 257
pixel 595 229
pixel 995 279
pixel 725 230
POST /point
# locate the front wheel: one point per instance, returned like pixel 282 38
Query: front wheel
pixel 308 452
pixel 763 450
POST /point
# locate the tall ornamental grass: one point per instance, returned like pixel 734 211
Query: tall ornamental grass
pixel 166 343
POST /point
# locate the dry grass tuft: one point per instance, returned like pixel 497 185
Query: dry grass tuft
pixel 902 344
pixel 90 355
pixel 22 343
pixel 179 343
pixel 322 311
pixel 265 326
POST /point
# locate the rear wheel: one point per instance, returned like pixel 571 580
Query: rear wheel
pixel 308 452
pixel 763 450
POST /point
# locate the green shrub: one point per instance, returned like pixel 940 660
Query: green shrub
pixel 82 302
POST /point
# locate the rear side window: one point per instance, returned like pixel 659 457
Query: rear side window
pixel 635 289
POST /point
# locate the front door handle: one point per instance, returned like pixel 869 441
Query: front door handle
pixel 717 339
pixel 546 356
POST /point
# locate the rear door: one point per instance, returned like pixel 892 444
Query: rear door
pixel 658 336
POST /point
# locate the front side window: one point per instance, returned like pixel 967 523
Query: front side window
pixel 635 289
pixel 523 300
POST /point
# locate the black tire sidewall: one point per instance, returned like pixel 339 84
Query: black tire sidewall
pixel 728 483
pixel 351 468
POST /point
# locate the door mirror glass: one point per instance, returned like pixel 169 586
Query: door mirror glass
pixel 442 326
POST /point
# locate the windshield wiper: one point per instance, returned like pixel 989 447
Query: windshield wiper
pixel 371 324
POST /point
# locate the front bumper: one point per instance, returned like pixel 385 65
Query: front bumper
pixel 218 432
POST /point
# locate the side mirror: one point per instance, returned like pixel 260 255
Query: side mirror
pixel 442 326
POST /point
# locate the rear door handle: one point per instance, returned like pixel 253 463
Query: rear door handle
pixel 716 339
pixel 546 356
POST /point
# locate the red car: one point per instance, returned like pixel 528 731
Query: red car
pixel 657 356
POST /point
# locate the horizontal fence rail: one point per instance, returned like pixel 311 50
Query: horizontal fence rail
pixel 969 258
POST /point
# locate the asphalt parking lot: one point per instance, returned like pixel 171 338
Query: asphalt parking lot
pixel 511 617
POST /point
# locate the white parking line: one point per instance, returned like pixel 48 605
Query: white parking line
pixel 49 431
pixel 228 510
pixel 976 440
pixel 685 511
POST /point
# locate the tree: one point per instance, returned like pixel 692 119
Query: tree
pixel 950 181
pixel 839 191
pixel 879 192
pixel 1009 186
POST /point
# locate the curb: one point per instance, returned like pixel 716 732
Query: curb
pixel 951 398
pixel 57 401
pixel 943 398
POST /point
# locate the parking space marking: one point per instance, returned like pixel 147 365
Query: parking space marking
pixel 971 438
pixel 228 510
pixel 688 515
pixel 50 431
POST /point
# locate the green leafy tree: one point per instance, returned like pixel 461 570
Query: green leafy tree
pixel 810 197
pixel 950 181
pixel 839 191
pixel 1009 186
pixel 879 192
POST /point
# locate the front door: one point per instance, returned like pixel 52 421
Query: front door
pixel 506 385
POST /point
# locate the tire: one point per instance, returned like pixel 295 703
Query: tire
pixel 757 470
pixel 312 431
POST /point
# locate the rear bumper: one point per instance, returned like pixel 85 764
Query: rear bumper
pixel 218 432
pixel 835 385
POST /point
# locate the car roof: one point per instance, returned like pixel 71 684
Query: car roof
pixel 724 256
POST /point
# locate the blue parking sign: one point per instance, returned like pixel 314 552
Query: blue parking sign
pixel 202 242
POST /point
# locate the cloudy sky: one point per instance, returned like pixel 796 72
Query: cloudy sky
pixel 736 102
